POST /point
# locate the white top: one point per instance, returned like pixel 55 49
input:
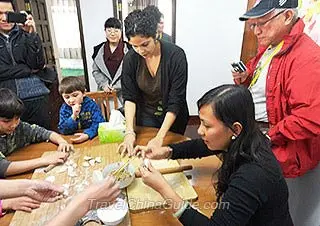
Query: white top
pixel 258 90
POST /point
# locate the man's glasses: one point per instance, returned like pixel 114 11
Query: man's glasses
pixel 261 24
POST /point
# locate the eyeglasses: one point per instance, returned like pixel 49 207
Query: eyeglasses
pixel 111 29
pixel 261 24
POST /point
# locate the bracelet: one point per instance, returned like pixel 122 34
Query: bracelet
pixel 129 132
pixel 1 212
pixel 181 210
pixel 170 152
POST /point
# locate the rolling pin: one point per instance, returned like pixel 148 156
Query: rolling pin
pixel 176 169
pixel 48 168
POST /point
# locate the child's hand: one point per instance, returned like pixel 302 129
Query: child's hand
pixel 82 137
pixel 65 147
pixel 76 110
pixel 22 203
pixel 55 158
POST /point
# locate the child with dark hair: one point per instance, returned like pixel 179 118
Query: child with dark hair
pixel 15 134
pixel 108 57
pixel 154 80
pixel 79 112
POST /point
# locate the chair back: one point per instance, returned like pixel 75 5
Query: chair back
pixel 104 100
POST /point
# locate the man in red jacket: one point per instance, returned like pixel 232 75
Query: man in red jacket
pixel 284 79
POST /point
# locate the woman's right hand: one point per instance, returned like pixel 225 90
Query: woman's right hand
pixel 127 145
pixel 104 193
pixel 108 89
pixel 152 153
pixel 22 203
pixel 239 76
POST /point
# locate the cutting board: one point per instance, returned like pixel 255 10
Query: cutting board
pixel 47 211
pixel 142 197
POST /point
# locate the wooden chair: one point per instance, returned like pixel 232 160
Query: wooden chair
pixel 103 100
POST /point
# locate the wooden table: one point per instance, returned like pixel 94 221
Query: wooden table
pixel 201 177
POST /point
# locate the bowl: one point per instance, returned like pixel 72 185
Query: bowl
pixel 114 166
pixel 113 214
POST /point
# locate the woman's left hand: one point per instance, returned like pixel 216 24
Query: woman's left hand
pixel 155 142
pixel 152 177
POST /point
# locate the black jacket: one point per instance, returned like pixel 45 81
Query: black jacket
pixel 20 54
pixel 174 69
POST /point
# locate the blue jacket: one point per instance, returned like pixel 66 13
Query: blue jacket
pixel 89 118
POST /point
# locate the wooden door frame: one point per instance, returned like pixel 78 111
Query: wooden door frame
pixel 83 49
pixel 249 43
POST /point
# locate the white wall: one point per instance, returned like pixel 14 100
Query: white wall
pixel 211 34
pixel 94 13
pixel 208 30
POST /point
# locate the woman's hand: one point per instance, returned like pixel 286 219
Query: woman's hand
pixel 101 194
pixel 43 191
pixel 108 89
pixel 81 137
pixel 155 142
pixel 153 153
pixel 127 145
pixel 22 203
pixel 55 158
pixel 153 178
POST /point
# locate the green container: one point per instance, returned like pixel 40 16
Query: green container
pixel 110 135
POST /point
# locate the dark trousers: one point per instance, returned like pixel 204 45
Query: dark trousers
pixel 37 111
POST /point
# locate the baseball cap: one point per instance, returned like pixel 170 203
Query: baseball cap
pixel 263 7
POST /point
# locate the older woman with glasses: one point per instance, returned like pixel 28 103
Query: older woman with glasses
pixel 154 80
pixel 108 57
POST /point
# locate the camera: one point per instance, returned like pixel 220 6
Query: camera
pixel 239 67
pixel 13 17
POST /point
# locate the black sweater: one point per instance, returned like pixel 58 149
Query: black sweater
pixel 174 75
pixel 256 194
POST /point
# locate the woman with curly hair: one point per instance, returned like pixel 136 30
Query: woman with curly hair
pixel 154 80
pixel 250 181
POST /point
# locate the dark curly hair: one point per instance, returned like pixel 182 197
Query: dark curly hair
pixel 142 22
pixel 230 104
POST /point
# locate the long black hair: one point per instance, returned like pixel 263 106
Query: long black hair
pixel 142 22
pixel 230 104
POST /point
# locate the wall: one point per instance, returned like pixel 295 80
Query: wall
pixel 211 38
pixel 94 13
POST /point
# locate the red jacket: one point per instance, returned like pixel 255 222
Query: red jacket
pixel 293 102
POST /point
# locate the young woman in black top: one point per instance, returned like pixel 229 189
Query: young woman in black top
pixel 250 179
pixel 154 80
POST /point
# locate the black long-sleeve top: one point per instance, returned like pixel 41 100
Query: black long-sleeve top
pixel 256 195
pixel 174 76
